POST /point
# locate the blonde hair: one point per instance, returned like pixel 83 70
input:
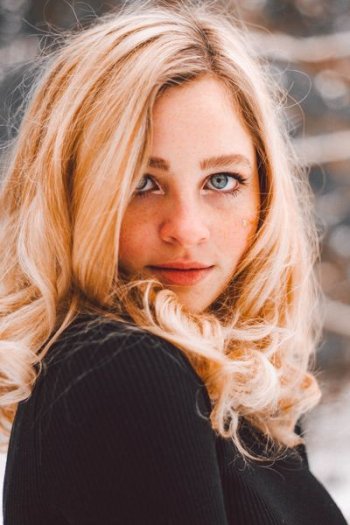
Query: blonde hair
pixel 82 148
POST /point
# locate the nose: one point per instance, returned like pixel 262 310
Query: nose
pixel 184 224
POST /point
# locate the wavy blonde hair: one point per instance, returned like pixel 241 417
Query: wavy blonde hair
pixel 81 150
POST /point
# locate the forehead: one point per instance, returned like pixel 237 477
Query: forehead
pixel 201 111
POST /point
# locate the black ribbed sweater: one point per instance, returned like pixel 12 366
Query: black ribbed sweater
pixel 116 431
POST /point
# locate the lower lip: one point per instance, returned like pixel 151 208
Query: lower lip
pixel 184 277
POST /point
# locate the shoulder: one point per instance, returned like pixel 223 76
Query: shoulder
pixel 125 425
pixel 101 360
pixel 92 342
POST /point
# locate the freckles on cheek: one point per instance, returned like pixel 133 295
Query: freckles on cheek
pixel 236 235
pixel 130 242
pixel 236 239
pixel 135 239
pixel 138 227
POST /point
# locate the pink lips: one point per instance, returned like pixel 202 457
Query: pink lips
pixel 182 276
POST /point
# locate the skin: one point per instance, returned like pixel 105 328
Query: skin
pixel 186 214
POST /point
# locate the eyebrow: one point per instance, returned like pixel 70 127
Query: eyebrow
pixel 219 161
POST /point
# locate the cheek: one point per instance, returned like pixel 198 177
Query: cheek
pixel 236 233
pixel 233 240
pixel 134 236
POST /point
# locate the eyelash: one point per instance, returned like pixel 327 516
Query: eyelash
pixel 233 193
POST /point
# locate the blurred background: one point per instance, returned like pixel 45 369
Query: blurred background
pixel 307 44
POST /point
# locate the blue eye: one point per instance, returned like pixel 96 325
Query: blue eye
pixel 139 188
pixel 222 179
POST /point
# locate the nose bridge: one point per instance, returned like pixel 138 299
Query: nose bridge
pixel 184 219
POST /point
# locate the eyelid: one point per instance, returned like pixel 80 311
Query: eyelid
pixel 235 174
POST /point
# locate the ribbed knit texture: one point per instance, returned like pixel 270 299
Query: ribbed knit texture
pixel 117 431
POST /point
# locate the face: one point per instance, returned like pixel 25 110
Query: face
pixel 198 202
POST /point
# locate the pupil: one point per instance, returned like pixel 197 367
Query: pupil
pixel 223 180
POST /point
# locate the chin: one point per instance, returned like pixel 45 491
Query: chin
pixel 194 305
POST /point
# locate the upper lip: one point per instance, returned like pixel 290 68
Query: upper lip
pixel 182 265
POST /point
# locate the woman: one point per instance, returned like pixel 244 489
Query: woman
pixel 158 299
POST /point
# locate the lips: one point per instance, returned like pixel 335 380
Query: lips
pixel 182 265
pixel 181 276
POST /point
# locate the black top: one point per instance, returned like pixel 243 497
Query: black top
pixel 116 431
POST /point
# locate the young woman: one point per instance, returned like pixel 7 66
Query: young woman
pixel 157 291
